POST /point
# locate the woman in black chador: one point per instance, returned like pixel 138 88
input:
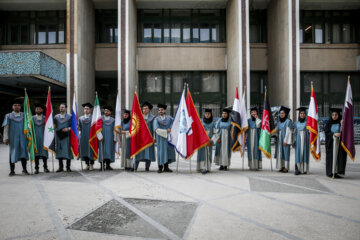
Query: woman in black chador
pixel 334 152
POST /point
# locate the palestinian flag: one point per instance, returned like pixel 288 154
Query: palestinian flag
pixel 267 128
pixel 49 133
pixel 96 126
pixel 29 129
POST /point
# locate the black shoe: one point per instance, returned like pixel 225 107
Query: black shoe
pixel 11 174
pixel 147 169
pixel 46 170
pixel 168 170
pixel 68 170
pixel 60 170
pixel 297 172
pixel 281 169
pixel 221 168
pixel 36 171
pixel 25 172
pixel 130 169
pixel 203 171
pixel 338 176
pixel 108 168
pixel 159 170
pixel 225 168
pixel 305 173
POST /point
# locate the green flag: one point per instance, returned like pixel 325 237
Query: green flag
pixel 29 129
pixel 267 128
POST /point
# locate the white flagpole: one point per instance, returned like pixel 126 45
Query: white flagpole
pixel 52 159
pixel 177 162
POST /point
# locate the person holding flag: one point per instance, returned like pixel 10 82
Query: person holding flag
pixel 62 123
pixel 108 139
pixel 204 156
pixel 14 137
pixel 301 143
pixel 125 142
pixel 165 152
pixel 49 134
pixel 39 124
pixel 335 155
pixel 95 129
pixel 223 140
pixel 84 124
pixel 283 140
pixel 254 153
pixel 148 154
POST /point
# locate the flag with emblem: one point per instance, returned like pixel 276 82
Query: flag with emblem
pixel 49 134
pixel 96 127
pixel 140 136
pixel 312 126
pixel 29 129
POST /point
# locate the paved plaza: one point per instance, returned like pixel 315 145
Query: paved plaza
pixel 237 204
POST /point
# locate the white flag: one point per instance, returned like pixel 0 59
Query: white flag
pixel 117 123
pixel 244 123
pixel 181 128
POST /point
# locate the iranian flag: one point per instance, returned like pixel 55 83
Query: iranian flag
pixel 96 126
pixel 267 128
pixel 312 126
pixel 49 134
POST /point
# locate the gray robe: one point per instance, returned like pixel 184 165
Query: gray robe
pixel 39 133
pixel 62 146
pixel 84 126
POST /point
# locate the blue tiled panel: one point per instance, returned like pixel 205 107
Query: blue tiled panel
pixel 31 63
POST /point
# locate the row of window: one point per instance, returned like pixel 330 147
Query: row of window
pixel 32 27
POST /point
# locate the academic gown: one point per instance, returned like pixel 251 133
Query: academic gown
pixel 204 155
pixel 125 146
pixel 39 125
pixel 284 134
pixel 223 150
pixel 108 139
pixel 149 152
pixel 253 135
pixel 165 152
pixel 302 146
pixel 84 127
pixel 62 146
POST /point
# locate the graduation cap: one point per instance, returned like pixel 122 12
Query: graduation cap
pixel 149 105
pixel 127 111
pixel 285 109
pixel 302 109
pixel 254 109
pixel 160 105
pixel 17 101
pixel 62 134
pixel 87 105
pixel 108 108
pixel 227 110
pixel 39 105
pixel 208 110
pixel 337 110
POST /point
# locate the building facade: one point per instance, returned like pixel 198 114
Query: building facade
pixel 155 46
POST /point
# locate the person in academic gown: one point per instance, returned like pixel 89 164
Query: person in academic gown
pixel 14 137
pixel 204 155
pixel 253 134
pixel 126 162
pixel 334 152
pixel 301 143
pixel 223 140
pixel 165 152
pixel 39 125
pixel 148 154
pixel 62 123
pixel 283 140
pixel 84 123
pixel 108 139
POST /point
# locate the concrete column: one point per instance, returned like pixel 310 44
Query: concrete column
pixel 84 52
pixel 238 49
pixel 283 47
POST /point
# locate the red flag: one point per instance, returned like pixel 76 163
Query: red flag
pixel 96 126
pixel 140 136
pixel 198 138
pixel 312 126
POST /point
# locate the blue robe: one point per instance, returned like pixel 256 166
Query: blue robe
pixel 108 140
pixel 17 139
pixel 39 133
pixel 282 154
pixel 84 126
pixel 209 128
pixel 302 146
pixel 126 127
pixel 223 150
pixel 149 152
pixel 62 146
pixel 165 152
pixel 255 163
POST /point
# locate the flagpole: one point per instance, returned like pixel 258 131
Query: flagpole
pixel 177 163
pixel 243 136
pixel 52 159
pixel 271 158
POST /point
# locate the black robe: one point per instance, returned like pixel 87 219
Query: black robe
pixel 341 160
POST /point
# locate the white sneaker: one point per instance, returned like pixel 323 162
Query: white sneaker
pixel 91 167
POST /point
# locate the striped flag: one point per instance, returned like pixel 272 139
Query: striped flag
pixel 267 128
pixel 313 127
pixel 29 129
pixel 244 123
pixel 49 133
pixel 74 134
pixel 96 126
pixel 347 136
pixel 236 122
